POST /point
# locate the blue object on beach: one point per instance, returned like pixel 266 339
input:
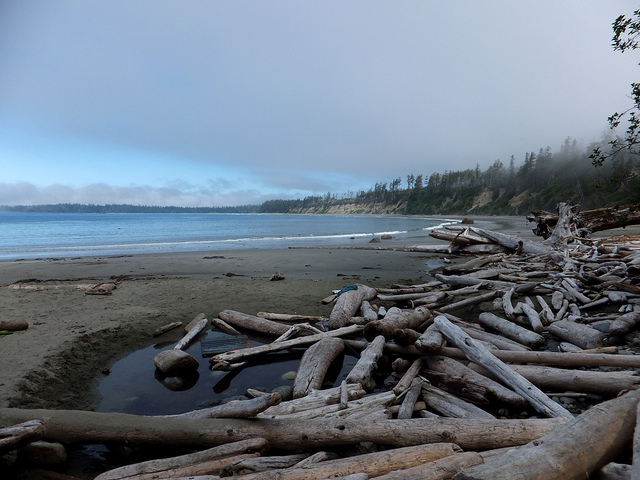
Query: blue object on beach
pixel 346 289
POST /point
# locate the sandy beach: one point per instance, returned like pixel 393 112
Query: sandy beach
pixel 57 362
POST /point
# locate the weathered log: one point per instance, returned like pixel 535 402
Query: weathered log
pixel 396 319
pixel 594 220
pixel 441 469
pixel 193 330
pixel 287 317
pixel 577 333
pixel 449 405
pixel 636 448
pixel 532 315
pixel 469 301
pixel 367 363
pixel 430 340
pixel 225 360
pixel 14 325
pixel 15 436
pixel 408 404
pixel 203 462
pixel 348 303
pixel 451 367
pixel 405 336
pixel 575 450
pixel 253 323
pixel 465 281
pixel 165 328
pixel 367 311
pixel 261 464
pixel 587 381
pixel 511 330
pixel 223 326
pixel 76 426
pixel 615 471
pixel 407 379
pixel 371 463
pixel 624 323
pixel 314 365
pixel 484 357
pixel 426 297
pixel 514 243
pixel 234 408
pixel 316 399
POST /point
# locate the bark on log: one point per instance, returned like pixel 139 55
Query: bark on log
pixel 511 330
pixel 163 468
pixel 484 357
pixel 348 304
pixel 442 469
pixel 575 450
pixel 75 426
pixel 396 319
pixel 314 365
pixel 367 363
pixel 577 333
pixel 253 323
pixel 371 463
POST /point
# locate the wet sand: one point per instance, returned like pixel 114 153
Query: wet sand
pixel 57 361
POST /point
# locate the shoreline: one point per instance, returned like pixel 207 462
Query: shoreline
pixel 72 337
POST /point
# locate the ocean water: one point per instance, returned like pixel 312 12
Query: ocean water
pixel 47 235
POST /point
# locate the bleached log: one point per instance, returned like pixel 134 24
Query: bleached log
pixel 193 332
pixel 636 448
pixel 368 313
pixel 165 328
pixel 577 333
pixel 223 326
pixel 563 310
pixel 451 367
pixel 533 316
pixel 449 405
pixel 348 303
pixel 407 379
pixel 468 302
pixel 556 299
pixel 511 330
pixel 430 340
pixel 234 408
pixel 408 404
pixel 314 365
pixel 15 436
pixel 396 319
pixel 484 357
pixel 615 471
pixel 261 464
pixel 77 426
pixel 426 297
pixel 546 314
pixel 575 450
pixel 499 341
pixel 442 469
pixel 376 463
pixel 287 317
pixel 624 323
pixel 464 281
pixel 587 381
pixel 315 399
pixel 367 363
pixel 513 242
pixel 253 323
pixel 458 236
pixel 203 462
pixel 224 360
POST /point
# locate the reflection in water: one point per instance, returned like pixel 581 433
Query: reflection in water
pixel 178 383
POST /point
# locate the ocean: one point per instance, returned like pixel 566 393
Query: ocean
pixel 59 235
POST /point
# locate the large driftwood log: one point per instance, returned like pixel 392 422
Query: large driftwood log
pixel 577 333
pixel 367 363
pixel 314 365
pixel 16 436
pixel 261 464
pixel 449 405
pixel 511 330
pixel 575 450
pixel 396 319
pixel 477 353
pixel 253 323
pixel 371 463
pixel 75 426
pixel 235 408
pixel 316 399
pixel 348 303
pixel 430 340
pixel 442 469
pixel 206 461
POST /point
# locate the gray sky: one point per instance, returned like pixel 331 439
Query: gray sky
pixel 211 102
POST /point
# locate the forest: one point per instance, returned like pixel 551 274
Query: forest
pixel 540 181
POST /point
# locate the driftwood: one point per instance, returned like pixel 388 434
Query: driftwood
pixel 261 464
pixel 407 379
pixel 165 328
pixel 449 405
pixel 209 461
pixel 253 323
pixel 624 323
pixel 367 363
pixel 194 328
pixel 577 333
pixel 76 426
pixel 430 340
pixel 409 403
pixel 316 399
pixel 442 469
pixel 16 436
pixel 235 408
pixel 348 303
pixel 286 317
pixel 226 360
pixel 475 352
pixel 314 365
pixel 572 451
pixel 396 319
pixel 511 330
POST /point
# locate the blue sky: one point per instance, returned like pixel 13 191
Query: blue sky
pixel 223 103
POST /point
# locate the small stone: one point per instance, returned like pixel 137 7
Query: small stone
pixel 289 375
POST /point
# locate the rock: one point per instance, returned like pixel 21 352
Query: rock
pixel 374 240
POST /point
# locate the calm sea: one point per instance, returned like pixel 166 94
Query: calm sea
pixel 46 235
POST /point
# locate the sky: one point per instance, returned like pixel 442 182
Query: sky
pixel 219 103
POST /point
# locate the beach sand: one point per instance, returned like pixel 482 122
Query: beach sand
pixel 72 337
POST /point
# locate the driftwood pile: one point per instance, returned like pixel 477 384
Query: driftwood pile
pixel 520 363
